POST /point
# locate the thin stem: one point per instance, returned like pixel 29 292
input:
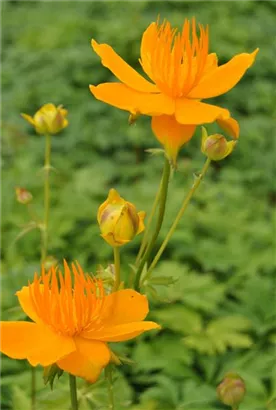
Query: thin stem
pixel 149 221
pixel 117 264
pixel 44 239
pixel 178 217
pixel 109 377
pixel 33 388
pixel 73 392
pixel 32 213
pixel 46 198
pixel 162 206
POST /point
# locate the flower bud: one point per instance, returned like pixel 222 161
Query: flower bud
pixel 215 146
pixel 23 196
pixel 118 220
pixel 231 390
pixel 49 119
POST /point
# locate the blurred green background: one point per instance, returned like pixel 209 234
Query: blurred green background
pixel 220 315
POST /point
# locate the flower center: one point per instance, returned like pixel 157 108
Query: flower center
pixel 176 60
pixel 68 308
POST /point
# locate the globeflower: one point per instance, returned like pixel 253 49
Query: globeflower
pixel 182 72
pixel 119 220
pixel 49 119
pixel 73 319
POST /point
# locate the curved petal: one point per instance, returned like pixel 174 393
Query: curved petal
pixel 171 133
pixel 121 69
pixel 125 98
pixel 119 333
pixel 230 125
pixel 148 43
pixel 196 112
pixel 37 343
pixel 27 304
pixel 124 306
pixel 225 77
pixel 87 361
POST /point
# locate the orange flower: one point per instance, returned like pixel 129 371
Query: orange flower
pixel 183 72
pixel 73 321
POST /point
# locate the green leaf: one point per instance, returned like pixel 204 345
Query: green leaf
pixel 220 334
pixel 179 319
pixel 20 399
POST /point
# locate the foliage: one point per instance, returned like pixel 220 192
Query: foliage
pixel 219 312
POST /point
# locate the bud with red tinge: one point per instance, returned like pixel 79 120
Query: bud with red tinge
pixel 231 390
pixel 215 146
pixel 23 196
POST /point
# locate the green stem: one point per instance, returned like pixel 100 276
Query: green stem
pixel 117 263
pixel 33 388
pixel 46 198
pixel 32 213
pixel 178 217
pixel 73 392
pixel 44 239
pixel 109 377
pixel 147 230
pixel 162 206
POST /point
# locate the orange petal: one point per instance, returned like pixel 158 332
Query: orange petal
pixel 37 343
pixel 231 126
pixel 119 333
pixel 87 361
pixel 121 69
pixel 211 64
pixel 171 134
pixel 148 43
pixel 125 98
pixel 26 303
pixel 225 77
pixel 124 306
pixel 196 112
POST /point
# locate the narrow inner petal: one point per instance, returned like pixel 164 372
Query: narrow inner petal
pixel 175 61
pixel 66 304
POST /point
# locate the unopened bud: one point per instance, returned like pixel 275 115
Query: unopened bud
pixel 119 220
pixel 215 146
pixel 49 119
pixel 23 196
pixel 231 390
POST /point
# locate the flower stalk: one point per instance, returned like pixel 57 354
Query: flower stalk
pixel 33 388
pixel 148 225
pixel 117 265
pixel 47 167
pixel 162 207
pixel 109 377
pixel 73 392
pixel 178 217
